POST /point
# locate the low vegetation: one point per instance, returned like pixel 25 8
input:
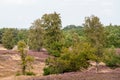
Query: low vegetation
pixel 111 58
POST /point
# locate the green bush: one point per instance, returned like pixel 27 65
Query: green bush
pixel 46 71
pixel 51 70
pixel 18 73
pixel 54 53
pixel 30 73
pixel 112 59
pixel 70 60
pixel 61 65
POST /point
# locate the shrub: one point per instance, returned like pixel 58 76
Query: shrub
pixel 46 71
pixel 112 59
pixel 54 53
pixel 18 73
pixel 70 60
pixel 30 73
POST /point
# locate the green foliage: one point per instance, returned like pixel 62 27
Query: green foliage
pixel 30 73
pixel 72 31
pixel 111 58
pixel 22 34
pixel 95 34
pixel 47 71
pixel 23 53
pixel 53 33
pixel 77 29
pixel 8 38
pixel 113 36
pixel 21 46
pixel 30 60
pixel 18 73
pixel 72 59
pixel 36 35
pixel 1 33
pixel 55 49
pixel 26 60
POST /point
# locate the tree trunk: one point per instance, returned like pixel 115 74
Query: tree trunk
pixel 23 69
pixel 97 65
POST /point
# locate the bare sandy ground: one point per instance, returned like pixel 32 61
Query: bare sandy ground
pixel 10 64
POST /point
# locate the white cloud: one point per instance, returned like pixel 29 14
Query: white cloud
pixel 17 2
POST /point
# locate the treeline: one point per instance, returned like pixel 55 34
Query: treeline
pixel 10 36
pixel 71 47
pixel 111 31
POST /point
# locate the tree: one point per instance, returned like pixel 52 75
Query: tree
pixel 22 34
pixel 8 38
pixel 78 29
pixel 113 36
pixel 36 35
pixel 22 48
pixel 1 33
pixel 96 35
pixel 70 32
pixel 53 33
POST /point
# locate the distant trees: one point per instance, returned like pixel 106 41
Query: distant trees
pixel 8 38
pixel 78 29
pixel 36 35
pixel 95 34
pixel 22 34
pixel 72 31
pixel 2 30
pixel 113 36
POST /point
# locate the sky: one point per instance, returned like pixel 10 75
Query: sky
pixel 21 13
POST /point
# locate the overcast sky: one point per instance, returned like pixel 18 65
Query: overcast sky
pixel 21 13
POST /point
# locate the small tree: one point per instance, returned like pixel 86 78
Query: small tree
pixel 36 35
pixel 95 34
pixel 53 33
pixel 22 48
